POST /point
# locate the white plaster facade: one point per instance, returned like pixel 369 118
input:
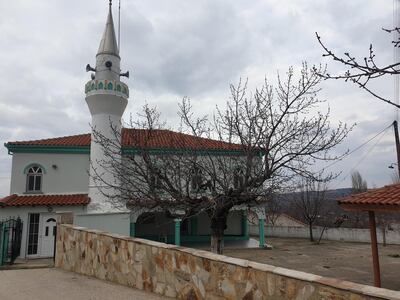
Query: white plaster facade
pixel 63 173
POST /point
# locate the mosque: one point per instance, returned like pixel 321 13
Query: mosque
pixel 53 175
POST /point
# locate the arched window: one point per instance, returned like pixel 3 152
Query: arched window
pixel 101 86
pixel 238 178
pixel 196 179
pixel 110 86
pixel 34 179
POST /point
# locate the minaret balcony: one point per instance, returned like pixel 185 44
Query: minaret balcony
pixel 105 86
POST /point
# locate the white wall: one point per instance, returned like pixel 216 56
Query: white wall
pixel 24 211
pixel 70 176
pixel 334 234
pixel 234 223
pixel 109 222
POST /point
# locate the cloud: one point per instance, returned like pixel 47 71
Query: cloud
pixel 183 48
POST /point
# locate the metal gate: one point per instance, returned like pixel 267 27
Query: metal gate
pixel 10 240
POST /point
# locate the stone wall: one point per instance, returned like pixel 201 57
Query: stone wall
pixel 333 234
pixel 185 273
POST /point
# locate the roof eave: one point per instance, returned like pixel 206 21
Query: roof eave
pixel 369 207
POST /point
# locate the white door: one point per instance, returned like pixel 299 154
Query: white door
pixel 48 233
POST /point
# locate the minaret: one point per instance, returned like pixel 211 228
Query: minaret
pixel 107 98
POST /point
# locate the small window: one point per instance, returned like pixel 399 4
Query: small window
pixel 238 178
pixel 34 179
pixel 196 179
pixel 154 181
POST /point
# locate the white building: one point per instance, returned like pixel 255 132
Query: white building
pixel 52 175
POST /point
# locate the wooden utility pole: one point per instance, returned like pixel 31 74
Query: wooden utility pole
pixel 374 247
pixel 396 136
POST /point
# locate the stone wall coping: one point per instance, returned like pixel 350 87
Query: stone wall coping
pixel 326 281
pixel 104 213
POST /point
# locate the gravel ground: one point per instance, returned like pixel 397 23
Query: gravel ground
pixel 348 261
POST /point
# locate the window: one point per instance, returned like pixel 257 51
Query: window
pixel 196 179
pixel 33 234
pixel 34 179
pixel 238 178
pixel 154 180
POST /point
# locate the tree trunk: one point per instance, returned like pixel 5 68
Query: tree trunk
pixel 218 226
pixel 322 233
pixel 217 243
pixel 311 232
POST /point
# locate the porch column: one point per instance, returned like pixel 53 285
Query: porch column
pixel 132 229
pixel 133 219
pixel 261 232
pixel 374 247
pixel 177 231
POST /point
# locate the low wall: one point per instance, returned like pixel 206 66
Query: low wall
pixel 334 234
pixel 185 273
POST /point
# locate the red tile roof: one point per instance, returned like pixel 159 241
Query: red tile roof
pixel 140 138
pixel 25 200
pixel 387 196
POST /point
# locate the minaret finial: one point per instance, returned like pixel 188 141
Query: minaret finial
pixel 110 3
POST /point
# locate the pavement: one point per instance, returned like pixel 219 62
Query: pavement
pixel 53 283
pixel 37 263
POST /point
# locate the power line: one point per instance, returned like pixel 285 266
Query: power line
pixel 357 148
pixel 362 158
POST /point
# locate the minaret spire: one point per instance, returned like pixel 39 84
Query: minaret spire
pixel 108 43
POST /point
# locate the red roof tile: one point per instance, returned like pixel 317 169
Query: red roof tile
pixel 25 200
pixel 140 138
pixel 386 196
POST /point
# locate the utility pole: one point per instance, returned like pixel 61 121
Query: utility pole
pixel 396 136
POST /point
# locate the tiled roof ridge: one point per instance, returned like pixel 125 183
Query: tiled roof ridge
pixel 26 142
pixel 44 199
pixel 163 139
pixel 386 195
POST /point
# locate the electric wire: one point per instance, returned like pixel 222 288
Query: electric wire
pixel 356 149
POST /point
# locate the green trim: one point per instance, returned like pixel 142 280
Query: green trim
pixel 187 239
pixel 132 229
pixel 86 150
pixel 4 244
pixel 261 232
pixel 33 165
pixel 47 149
pixel 177 232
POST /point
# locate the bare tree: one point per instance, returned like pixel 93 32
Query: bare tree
pixel 273 209
pixel 310 200
pixel 358 184
pixel 266 139
pixel 362 71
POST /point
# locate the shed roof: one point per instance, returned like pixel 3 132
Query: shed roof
pixel 386 199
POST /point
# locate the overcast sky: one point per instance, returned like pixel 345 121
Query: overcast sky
pixel 180 48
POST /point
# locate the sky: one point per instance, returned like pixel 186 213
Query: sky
pixel 196 49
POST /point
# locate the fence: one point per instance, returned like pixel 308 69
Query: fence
pixel 10 240
pixel 334 234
